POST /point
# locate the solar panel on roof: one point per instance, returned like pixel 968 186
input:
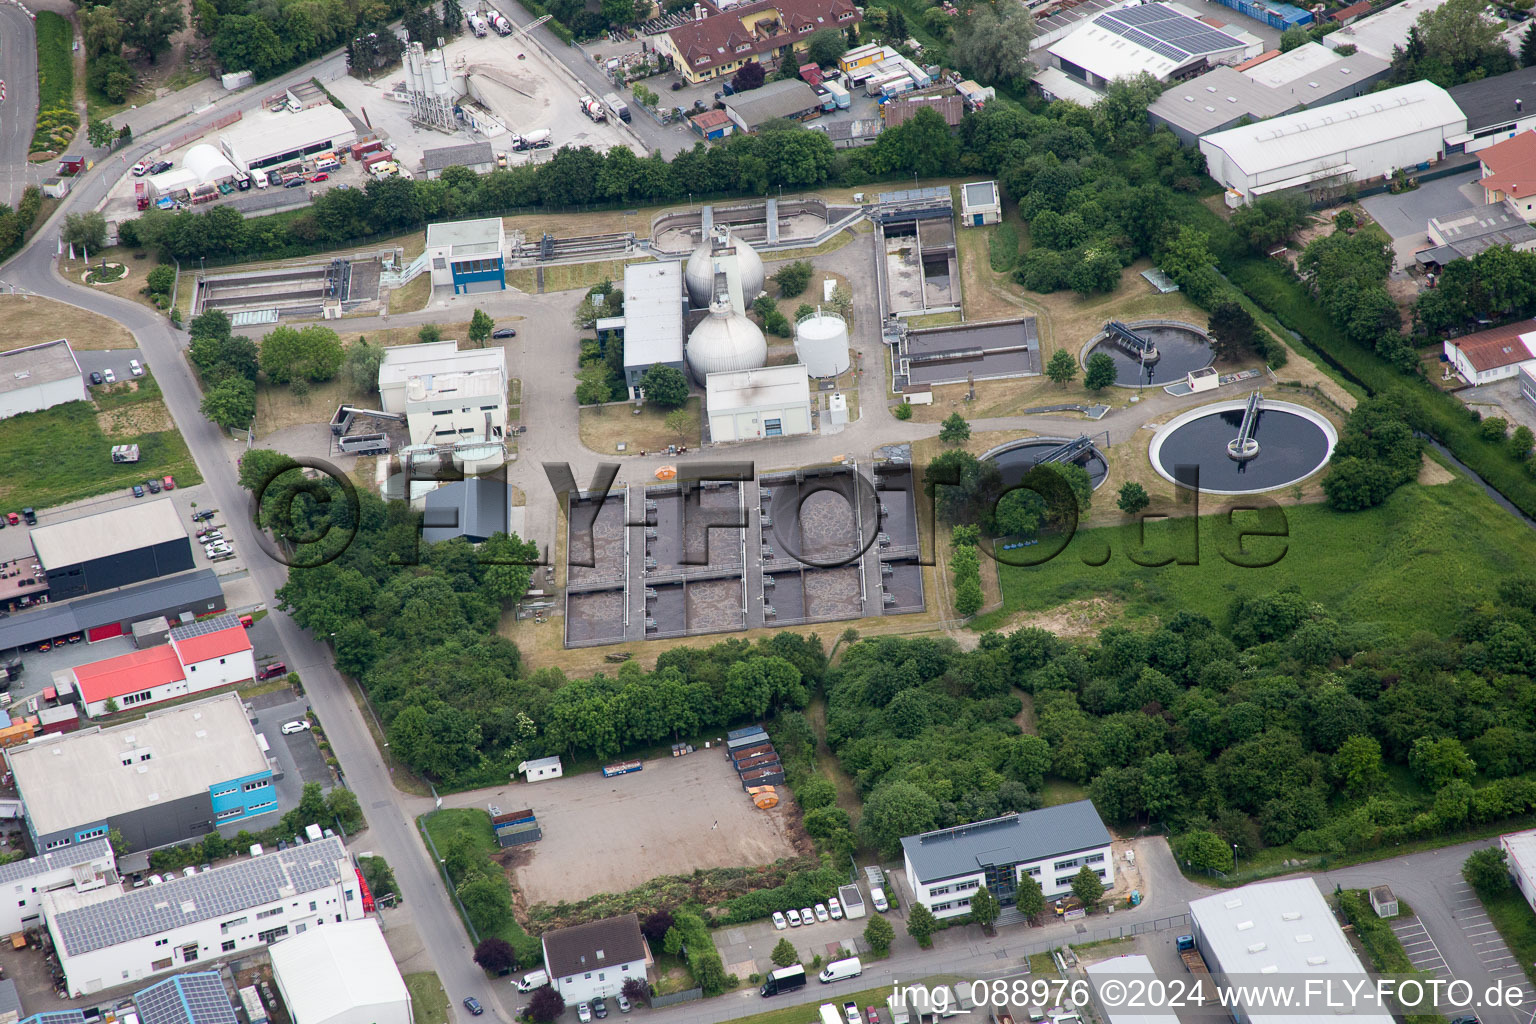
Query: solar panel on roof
pixel 186 999
pixel 1166 32
pixel 202 627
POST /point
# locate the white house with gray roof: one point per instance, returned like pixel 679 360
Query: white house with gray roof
pixel 1050 845
pixel 112 936
pixel 23 883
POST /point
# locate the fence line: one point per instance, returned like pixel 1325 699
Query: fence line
pixel 1158 924
pixel 686 996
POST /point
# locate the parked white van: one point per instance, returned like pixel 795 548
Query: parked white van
pixel 841 970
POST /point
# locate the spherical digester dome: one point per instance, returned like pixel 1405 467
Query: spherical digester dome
pixel 700 272
pixel 725 340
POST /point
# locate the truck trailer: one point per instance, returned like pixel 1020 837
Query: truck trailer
pixel 619 107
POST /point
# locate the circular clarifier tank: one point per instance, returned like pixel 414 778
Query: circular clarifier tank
pixel 1293 443
pixel 1180 347
pixel 1016 458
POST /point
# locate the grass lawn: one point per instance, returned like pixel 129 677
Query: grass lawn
pixel 1060 791
pixel 569 276
pixel 443 825
pixel 139 264
pixel 55 79
pixel 63 454
pixel 1401 564
pixel 415 295
pixel 31 320
pixel 604 427
pixel 429 1003
pixel 1512 916
pixel 672 974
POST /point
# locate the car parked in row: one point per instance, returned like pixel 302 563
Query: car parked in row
pixel 583 1013
pixel 135 368
pixel 96 377
pixel 109 376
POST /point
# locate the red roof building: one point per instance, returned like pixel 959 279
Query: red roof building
pixel 1493 354
pixel 1348 14
pixel 716 46
pixel 1509 173
pixel 201 655
pixel 951 108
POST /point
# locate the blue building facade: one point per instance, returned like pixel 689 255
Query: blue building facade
pixel 243 798
pixel 471 275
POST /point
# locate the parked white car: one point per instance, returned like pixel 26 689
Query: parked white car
pixel 779 922
pixel 134 368
pixel 290 728
pixel 108 376
pixel 807 915
pixel 794 918
pixel 835 909
pixel 821 913
pixel 584 1013
pixel 215 550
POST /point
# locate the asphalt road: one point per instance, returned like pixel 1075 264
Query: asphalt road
pixel 18 114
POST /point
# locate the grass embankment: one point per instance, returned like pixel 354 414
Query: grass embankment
pixel 1381 944
pixel 443 826
pixel 429 1003
pixel 33 320
pixel 1399 564
pixel 56 116
pixel 64 454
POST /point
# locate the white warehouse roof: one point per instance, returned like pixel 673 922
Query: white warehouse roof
pixel 140 525
pixel 764 387
pixel 1337 128
pixel 1278 928
pixel 438 358
pixel 326 972
pixel 653 313
pixel 1130 968
pixel 466 237
pixel 1159 38
pixel 260 138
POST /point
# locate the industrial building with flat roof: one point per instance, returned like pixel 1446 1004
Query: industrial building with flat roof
pixel 1050 845
pixel 342 974
pixel 1464 234
pixel 102 616
pixel 39 377
pixel 770 401
pixel 652 324
pixel 446 393
pixel 467 254
pixel 1137 971
pixel 1377 34
pixel 195 657
pixel 112 549
pixel 1355 140
pixel 263 140
pixel 168 777
pixel 1520 857
pixel 83 866
pixel 1164 40
pixel 1284 929
pixel 113 936
pixel 1225 97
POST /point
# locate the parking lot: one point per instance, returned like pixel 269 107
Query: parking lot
pixel 676 815
pixel 1498 962
pixel 297 753
pixel 746 948
pixel 1406 216
pixel 1420 947
pixel 102 360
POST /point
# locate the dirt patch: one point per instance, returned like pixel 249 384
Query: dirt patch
pixel 32 319
pixel 1072 620
pixel 713 826
pixel 136 419
pixel 1432 473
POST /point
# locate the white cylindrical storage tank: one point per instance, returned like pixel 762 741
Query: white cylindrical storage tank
pixel 821 343
pixel 725 340
pixel 474 455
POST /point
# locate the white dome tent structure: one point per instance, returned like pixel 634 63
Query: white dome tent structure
pixel 725 340
pixel 203 165
pixel 723 255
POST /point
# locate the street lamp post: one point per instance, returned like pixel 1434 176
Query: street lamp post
pixel 1234 858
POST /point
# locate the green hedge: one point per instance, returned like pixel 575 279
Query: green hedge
pixel 1376 935
pixel 536 9
pixel 803 889
pixel 56 117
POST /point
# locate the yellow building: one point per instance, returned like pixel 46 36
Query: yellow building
pixel 717 46
pixel 864 57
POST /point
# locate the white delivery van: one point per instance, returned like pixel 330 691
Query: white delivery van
pixel 877 897
pixel 533 980
pixel 841 970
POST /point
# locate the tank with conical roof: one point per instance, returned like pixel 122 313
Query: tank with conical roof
pixel 721 249
pixel 725 340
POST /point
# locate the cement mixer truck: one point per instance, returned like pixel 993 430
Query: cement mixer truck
pixel 592 108
pixel 537 139
pixel 499 22
pixel 477 24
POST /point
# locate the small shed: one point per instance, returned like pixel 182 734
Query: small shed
pixel 713 124
pixel 56 188
pixel 980 204
pixel 540 770
pixel 71 164
pixel 1383 902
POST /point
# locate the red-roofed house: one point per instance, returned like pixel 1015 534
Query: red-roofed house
pixel 200 656
pixel 1509 173
pixel 1493 354
pixel 717 45
pixel 713 124
pixel 1346 15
